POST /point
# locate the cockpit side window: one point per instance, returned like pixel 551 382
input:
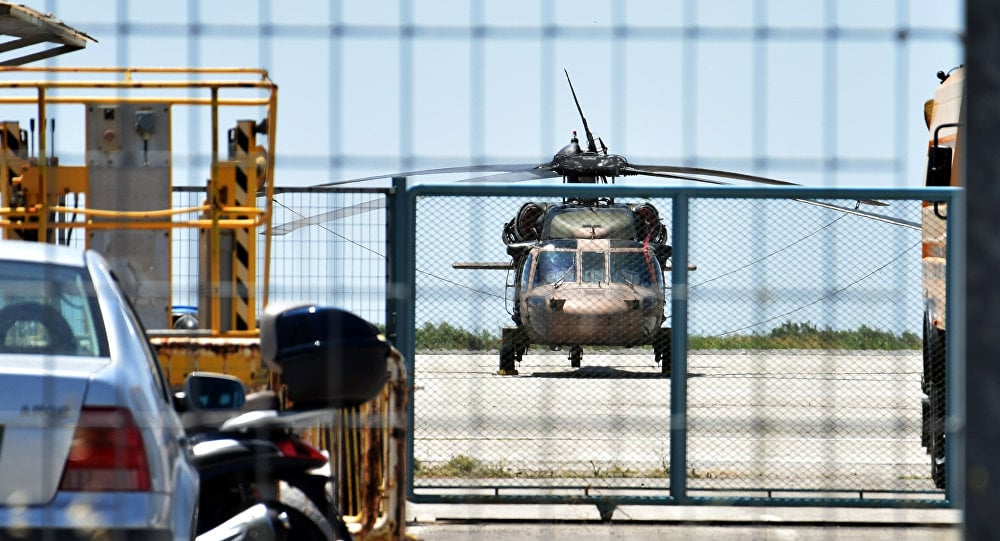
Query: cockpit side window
pixel 593 266
pixel 632 268
pixel 555 266
pixel 525 272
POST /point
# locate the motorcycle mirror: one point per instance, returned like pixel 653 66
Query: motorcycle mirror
pixel 205 391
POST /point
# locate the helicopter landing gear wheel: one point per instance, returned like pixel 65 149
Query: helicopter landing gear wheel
pixel 661 349
pixel 575 355
pixel 507 359
pixel 513 344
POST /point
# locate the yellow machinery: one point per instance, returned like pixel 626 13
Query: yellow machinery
pixel 122 196
pixel 119 201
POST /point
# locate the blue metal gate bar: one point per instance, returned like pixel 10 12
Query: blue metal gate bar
pixel 678 351
pixel 955 351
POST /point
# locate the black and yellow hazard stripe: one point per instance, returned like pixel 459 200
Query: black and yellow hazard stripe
pixel 11 165
pixel 244 249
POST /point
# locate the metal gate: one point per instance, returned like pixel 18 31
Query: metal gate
pixel 796 355
pixel 797 347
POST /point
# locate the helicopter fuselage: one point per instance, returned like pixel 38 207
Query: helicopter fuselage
pixel 575 292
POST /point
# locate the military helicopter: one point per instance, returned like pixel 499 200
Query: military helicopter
pixel 587 272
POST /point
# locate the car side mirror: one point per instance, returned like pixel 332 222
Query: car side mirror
pixel 205 391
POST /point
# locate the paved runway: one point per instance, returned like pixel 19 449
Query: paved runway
pixel 844 423
pixel 556 523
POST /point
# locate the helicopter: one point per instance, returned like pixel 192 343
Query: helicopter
pixel 587 271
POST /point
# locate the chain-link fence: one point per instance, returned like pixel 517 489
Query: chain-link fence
pixel 803 361
pixel 335 259
pixel 804 348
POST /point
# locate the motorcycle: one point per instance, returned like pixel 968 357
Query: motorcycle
pixel 259 479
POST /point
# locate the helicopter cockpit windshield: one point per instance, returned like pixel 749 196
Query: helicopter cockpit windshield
pixel 633 269
pixel 555 267
pixel 593 267
pixel 629 267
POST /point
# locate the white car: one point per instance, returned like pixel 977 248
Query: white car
pixel 90 444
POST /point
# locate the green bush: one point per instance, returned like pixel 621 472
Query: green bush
pixel 788 335
pixel 791 335
pixel 445 336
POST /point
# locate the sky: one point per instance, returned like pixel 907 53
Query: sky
pixel 821 93
pixel 375 87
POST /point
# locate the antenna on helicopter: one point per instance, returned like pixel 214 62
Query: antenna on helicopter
pixel 591 145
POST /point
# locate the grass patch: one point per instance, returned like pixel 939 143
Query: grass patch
pixel 465 467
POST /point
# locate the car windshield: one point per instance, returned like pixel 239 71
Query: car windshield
pixel 49 309
pixel 632 268
pixel 555 266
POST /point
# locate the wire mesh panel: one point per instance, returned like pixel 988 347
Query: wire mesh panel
pixel 804 349
pixel 328 248
pixel 803 361
pixel 599 427
pixel 184 245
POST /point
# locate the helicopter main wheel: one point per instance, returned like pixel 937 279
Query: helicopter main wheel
pixel 508 358
pixel 513 344
pixel 661 349
pixel 575 356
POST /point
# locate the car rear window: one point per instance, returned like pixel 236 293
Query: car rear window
pixel 49 309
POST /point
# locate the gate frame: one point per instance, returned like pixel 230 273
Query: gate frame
pixel 400 322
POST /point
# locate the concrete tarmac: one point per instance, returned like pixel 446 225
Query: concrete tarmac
pixel 564 522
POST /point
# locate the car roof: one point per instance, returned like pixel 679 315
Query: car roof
pixel 19 250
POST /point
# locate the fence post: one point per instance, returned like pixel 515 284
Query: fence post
pixel 678 349
pixel 955 353
pixel 401 217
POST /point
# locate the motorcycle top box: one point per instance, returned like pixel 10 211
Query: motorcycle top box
pixel 327 357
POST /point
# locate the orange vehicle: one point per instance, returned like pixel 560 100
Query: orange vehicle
pixel 942 115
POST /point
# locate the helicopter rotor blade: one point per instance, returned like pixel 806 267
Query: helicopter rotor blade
pixel 641 171
pixel 515 176
pixel 343 212
pixel 863 214
pixel 879 217
pixel 647 169
pixel 711 172
pixel 439 171
pixel 506 173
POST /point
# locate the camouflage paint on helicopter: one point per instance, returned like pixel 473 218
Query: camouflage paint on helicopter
pixel 587 272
